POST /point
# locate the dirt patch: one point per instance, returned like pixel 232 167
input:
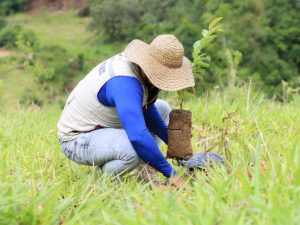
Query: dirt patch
pixel 37 6
pixel 180 134
pixel 5 53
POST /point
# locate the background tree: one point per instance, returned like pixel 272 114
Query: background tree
pixel 265 32
pixel 115 20
pixel 11 6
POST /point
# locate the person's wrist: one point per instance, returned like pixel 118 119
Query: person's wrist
pixel 173 173
pixel 176 181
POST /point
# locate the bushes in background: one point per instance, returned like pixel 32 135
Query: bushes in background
pixel 53 70
pixel 266 33
pixel 63 67
pixel 84 11
pixel 12 6
pixel 2 23
pixel 116 20
pixel 9 34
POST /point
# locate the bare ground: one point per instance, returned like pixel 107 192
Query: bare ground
pixel 6 53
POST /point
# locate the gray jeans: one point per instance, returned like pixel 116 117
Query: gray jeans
pixel 108 148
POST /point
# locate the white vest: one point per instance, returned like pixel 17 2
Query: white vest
pixel 83 112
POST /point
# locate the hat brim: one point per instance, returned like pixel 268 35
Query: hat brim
pixel 161 76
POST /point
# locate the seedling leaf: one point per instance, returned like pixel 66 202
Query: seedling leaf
pixel 214 23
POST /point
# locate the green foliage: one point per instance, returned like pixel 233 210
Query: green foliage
pixel 201 59
pixel 233 59
pixel 84 11
pixel 115 20
pixel 60 68
pixel 180 94
pixel 288 91
pixel 53 70
pixel 9 34
pixel 2 22
pixel 1 93
pixel 12 6
pixel 264 32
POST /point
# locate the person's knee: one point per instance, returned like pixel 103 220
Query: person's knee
pixel 126 163
pixel 129 156
pixel 131 160
pixel 164 109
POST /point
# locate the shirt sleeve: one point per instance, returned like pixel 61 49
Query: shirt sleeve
pixel 126 95
pixel 156 124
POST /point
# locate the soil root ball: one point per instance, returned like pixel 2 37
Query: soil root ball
pixel 180 133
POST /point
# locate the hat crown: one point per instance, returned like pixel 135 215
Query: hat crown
pixel 167 50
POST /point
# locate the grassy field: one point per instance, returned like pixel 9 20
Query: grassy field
pixel 40 186
pixel 67 30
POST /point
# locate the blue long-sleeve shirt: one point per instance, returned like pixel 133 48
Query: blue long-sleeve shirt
pixel 126 95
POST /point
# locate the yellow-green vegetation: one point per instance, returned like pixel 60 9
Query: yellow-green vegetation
pixel 260 185
pixel 11 91
pixel 55 33
pixel 64 29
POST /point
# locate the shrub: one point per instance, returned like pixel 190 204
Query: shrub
pixel 266 33
pixel 12 6
pixel 53 70
pixel 115 20
pixel 64 66
pixel 9 35
pixel 32 97
pixel 1 91
pixel 84 11
pixel 2 23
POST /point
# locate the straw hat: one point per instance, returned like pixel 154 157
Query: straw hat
pixel 163 62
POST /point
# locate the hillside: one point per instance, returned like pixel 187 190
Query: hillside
pixel 64 29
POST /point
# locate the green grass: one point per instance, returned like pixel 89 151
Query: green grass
pixel 38 185
pixel 67 30
pixel 16 81
pixel 64 29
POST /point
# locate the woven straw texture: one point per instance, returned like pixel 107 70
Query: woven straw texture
pixel 163 62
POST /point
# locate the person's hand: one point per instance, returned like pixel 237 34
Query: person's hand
pixel 176 181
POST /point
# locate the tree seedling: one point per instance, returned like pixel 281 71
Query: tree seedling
pixel 201 58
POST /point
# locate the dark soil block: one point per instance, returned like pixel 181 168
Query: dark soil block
pixel 180 134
